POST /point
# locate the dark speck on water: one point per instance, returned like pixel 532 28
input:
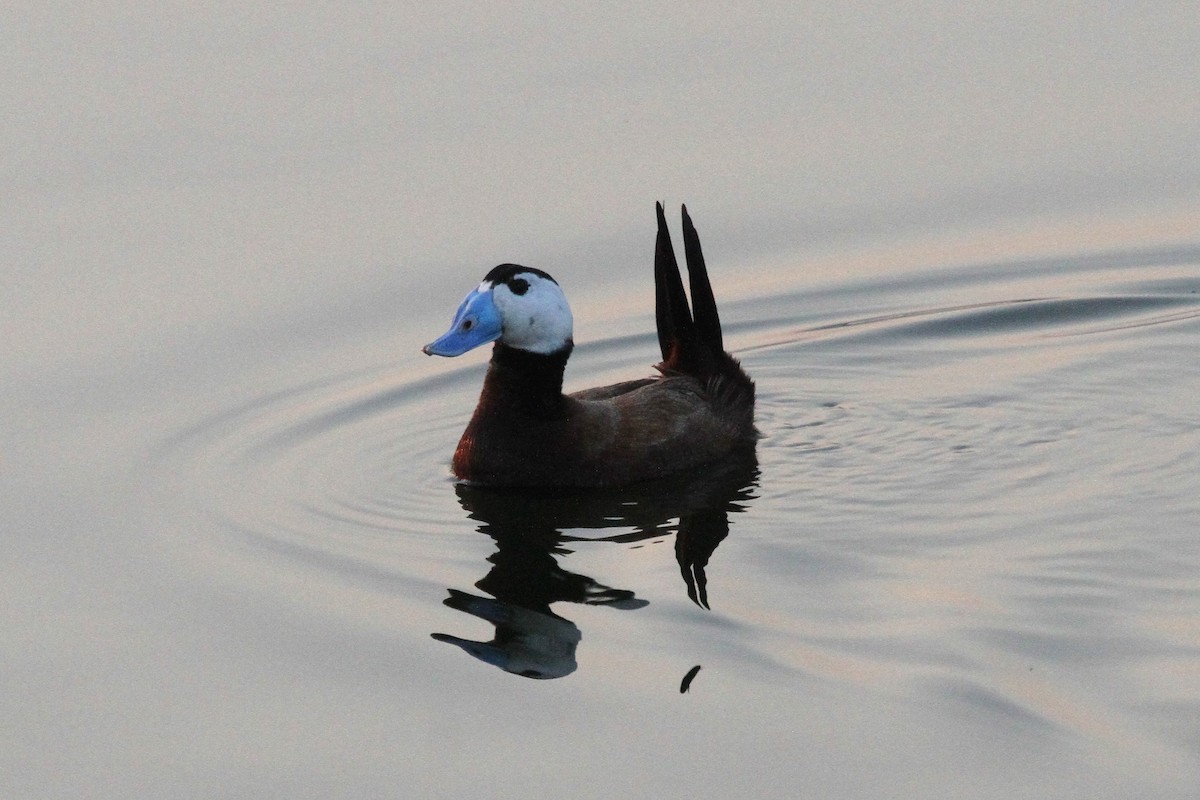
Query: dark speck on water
pixel 688 678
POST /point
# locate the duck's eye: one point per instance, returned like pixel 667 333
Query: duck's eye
pixel 518 285
pixel 468 324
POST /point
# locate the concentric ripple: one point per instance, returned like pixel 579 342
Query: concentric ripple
pixel 892 397
pixel 334 473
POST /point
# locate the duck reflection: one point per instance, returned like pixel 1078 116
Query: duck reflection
pixel 532 532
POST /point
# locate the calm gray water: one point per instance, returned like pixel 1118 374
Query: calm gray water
pixel 965 277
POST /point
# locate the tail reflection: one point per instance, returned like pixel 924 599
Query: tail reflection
pixel 695 542
pixel 525 578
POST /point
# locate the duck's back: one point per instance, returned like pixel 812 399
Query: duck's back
pixel 673 423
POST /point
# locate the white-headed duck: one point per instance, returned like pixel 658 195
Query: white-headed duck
pixel 526 433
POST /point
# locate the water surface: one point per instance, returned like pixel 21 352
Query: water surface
pixel 957 249
pixel 967 532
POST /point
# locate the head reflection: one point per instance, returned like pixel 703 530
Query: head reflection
pixel 530 533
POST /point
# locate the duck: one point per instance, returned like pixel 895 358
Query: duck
pixel 525 432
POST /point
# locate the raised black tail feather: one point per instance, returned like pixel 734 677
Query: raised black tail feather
pixel 704 306
pixel 672 317
pixel 690 340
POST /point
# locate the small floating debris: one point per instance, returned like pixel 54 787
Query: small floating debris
pixel 687 679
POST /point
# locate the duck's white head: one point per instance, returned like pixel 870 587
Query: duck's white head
pixel 521 307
